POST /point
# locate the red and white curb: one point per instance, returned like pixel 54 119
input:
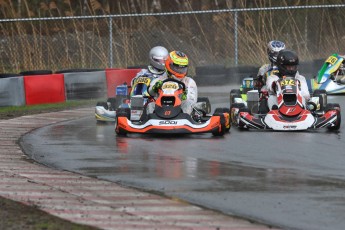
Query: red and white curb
pixel 89 201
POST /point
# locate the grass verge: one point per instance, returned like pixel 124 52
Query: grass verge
pixel 17 111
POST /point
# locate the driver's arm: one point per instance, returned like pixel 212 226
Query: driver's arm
pixel 304 87
pixel 270 83
pixel 192 90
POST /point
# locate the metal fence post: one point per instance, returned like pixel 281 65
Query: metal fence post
pixel 110 42
pixel 236 38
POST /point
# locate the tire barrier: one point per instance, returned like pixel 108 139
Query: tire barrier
pixel 85 85
pixel 41 89
pixel 220 75
pixel 12 91
pixel 77 70
pixel 117 77
pixel 6 75
pixel 36 72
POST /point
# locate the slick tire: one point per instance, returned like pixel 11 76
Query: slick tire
pixel 322 94
pixel 208 104
pixel 112 101
pixel 121 112
pixel 103 104
pixel 336 106
pixel 221 132
pixel 36 72
pixel 234 93
pixel 225 111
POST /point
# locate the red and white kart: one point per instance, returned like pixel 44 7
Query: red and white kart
pixel 290 113
pixel 168 117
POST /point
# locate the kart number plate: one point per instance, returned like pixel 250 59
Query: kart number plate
pixel 144 80
pixel 332 60
pixel 170 86
pixel 290 82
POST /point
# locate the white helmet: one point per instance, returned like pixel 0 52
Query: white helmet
pixel 273 48
pixel 157 56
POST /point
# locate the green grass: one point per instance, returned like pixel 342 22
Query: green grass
pixel 16 111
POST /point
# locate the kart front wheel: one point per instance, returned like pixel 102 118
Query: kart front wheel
pixel 121 112
pixel 221 131
pixel 225 111
pixel 334 106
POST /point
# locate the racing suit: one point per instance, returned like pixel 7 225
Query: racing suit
pixel 263 73
pixel 191 89
pixel 272 98
pixel 151 71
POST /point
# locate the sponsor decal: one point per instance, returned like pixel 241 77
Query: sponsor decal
pixel 168 122
pixel 290 126
pixel 290 110
pixel 248 83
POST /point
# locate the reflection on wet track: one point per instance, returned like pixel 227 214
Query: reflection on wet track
pixel 292 180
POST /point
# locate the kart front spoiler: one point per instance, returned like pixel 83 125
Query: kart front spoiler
pixel 171 126
pixel 275 121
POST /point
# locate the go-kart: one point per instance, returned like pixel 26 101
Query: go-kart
pixel 106 111
pixel 290 114
pixel 168 117
pixel 247 85
pixel 331 76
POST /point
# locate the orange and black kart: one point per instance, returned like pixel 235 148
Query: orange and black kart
pixel 168 117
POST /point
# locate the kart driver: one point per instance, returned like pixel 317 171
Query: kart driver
pixel 273 48
pixel 176 67
pixel 287 62
pixel 156 68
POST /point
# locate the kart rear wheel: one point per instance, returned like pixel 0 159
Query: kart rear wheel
pixel 263 107
pixel 322 94
pixel 224 110
pixel 103 104
pixel 234 93
pixel 208 104
pixel 123 112
pixel 334 106
pixel 112 101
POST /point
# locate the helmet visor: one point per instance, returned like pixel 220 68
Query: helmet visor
pixel 159 60
pixel 290 67
pixel 180 69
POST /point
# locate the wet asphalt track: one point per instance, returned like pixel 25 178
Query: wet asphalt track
pixel 291 180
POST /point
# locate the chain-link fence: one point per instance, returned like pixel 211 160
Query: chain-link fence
pixel 220 37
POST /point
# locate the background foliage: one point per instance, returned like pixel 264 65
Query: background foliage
pixel 207 38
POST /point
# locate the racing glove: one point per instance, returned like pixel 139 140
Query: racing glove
pixel 157 86
pixel 184 96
